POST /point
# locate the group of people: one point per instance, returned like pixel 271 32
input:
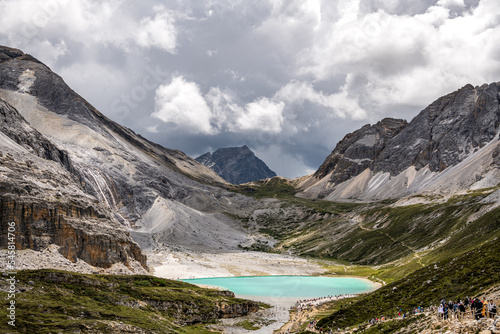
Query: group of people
pixel 446 310
pixel 479 309
pixel 307 303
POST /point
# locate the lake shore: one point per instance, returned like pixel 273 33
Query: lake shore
pixel 174 264
pixel 190 264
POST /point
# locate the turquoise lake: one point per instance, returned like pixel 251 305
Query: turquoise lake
pixel 300 287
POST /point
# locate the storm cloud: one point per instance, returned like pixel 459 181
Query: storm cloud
pixel 289 79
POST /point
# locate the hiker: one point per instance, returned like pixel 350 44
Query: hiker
pixel 478 309
pixel 440 312
pixel 461 307
pixel 492 309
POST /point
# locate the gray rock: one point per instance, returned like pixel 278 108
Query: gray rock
pixel 359 150
pixel 442 135
pixel 84 193
pixel 446 132
pixel 236 165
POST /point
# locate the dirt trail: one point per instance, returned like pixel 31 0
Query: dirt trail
pixel 301 317
pixel 414 251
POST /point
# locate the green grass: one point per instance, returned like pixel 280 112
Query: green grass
pixel 69 302
pixel 469 274
pixel 392 326
pixel 248 325
pixel 273 188
pixel 397 240
pixel 351 270
pixel 398 244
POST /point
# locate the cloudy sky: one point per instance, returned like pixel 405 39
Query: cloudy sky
pixel 287 78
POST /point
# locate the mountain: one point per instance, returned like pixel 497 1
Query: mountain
pixel 74 178
pixel 449 147
pixel 236 165
pixel 397 193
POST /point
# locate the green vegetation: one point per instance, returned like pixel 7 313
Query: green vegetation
pixel 376 239
pixel 272 188
pixel 248 325
pixel 55 301
pixel 392 326
pixel 442 249
pixel 469 274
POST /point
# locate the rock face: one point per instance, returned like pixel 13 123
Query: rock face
pixel 41 191
pixel 82 232
pixel 236 165
pixel 450 146
pixel 359 150
pixel 446 132
pixel 73 177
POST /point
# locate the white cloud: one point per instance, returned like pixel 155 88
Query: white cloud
pixel 451 3
pixel 89 22
pixel 50 52
pixel 152 129
pixel 225 109
pixel 403 59
pixel 298 73
pixel 181 103
pixel 159 31
pixel 340 103
pixel 262 115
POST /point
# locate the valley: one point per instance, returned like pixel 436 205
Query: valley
pixel 103 215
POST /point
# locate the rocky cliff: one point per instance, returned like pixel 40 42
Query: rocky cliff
pixel 43 193
pixel 236 165
pixel 73 177
pixel 450 146
pixel 359 150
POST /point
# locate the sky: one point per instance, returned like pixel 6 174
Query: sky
pixel 289 79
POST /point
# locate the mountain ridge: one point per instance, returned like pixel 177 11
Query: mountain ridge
pixel 441 138
pixel 122 174
pixel 236 165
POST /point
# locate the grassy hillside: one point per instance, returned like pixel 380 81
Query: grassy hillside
pixel 54 301
pixel 388 241
pixel 469 274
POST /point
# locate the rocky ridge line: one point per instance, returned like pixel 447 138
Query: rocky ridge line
pixel 236 165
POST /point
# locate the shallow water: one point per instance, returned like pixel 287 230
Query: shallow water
pixel 282 292
pixel 298 287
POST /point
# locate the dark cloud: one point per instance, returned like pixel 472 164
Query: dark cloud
pixel 289 79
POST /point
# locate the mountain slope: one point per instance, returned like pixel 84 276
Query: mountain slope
pixel 236 165
pixel 450 147
pixel 41 191
pixel 21 73
pixel 140 186
pixel 63 302
pixel 470 274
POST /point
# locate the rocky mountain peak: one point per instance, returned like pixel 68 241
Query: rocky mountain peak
pixel 455 134
pixel 236 165
pixel 358 150
pixel 72 177
pixel 446 132
pixel 7 54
